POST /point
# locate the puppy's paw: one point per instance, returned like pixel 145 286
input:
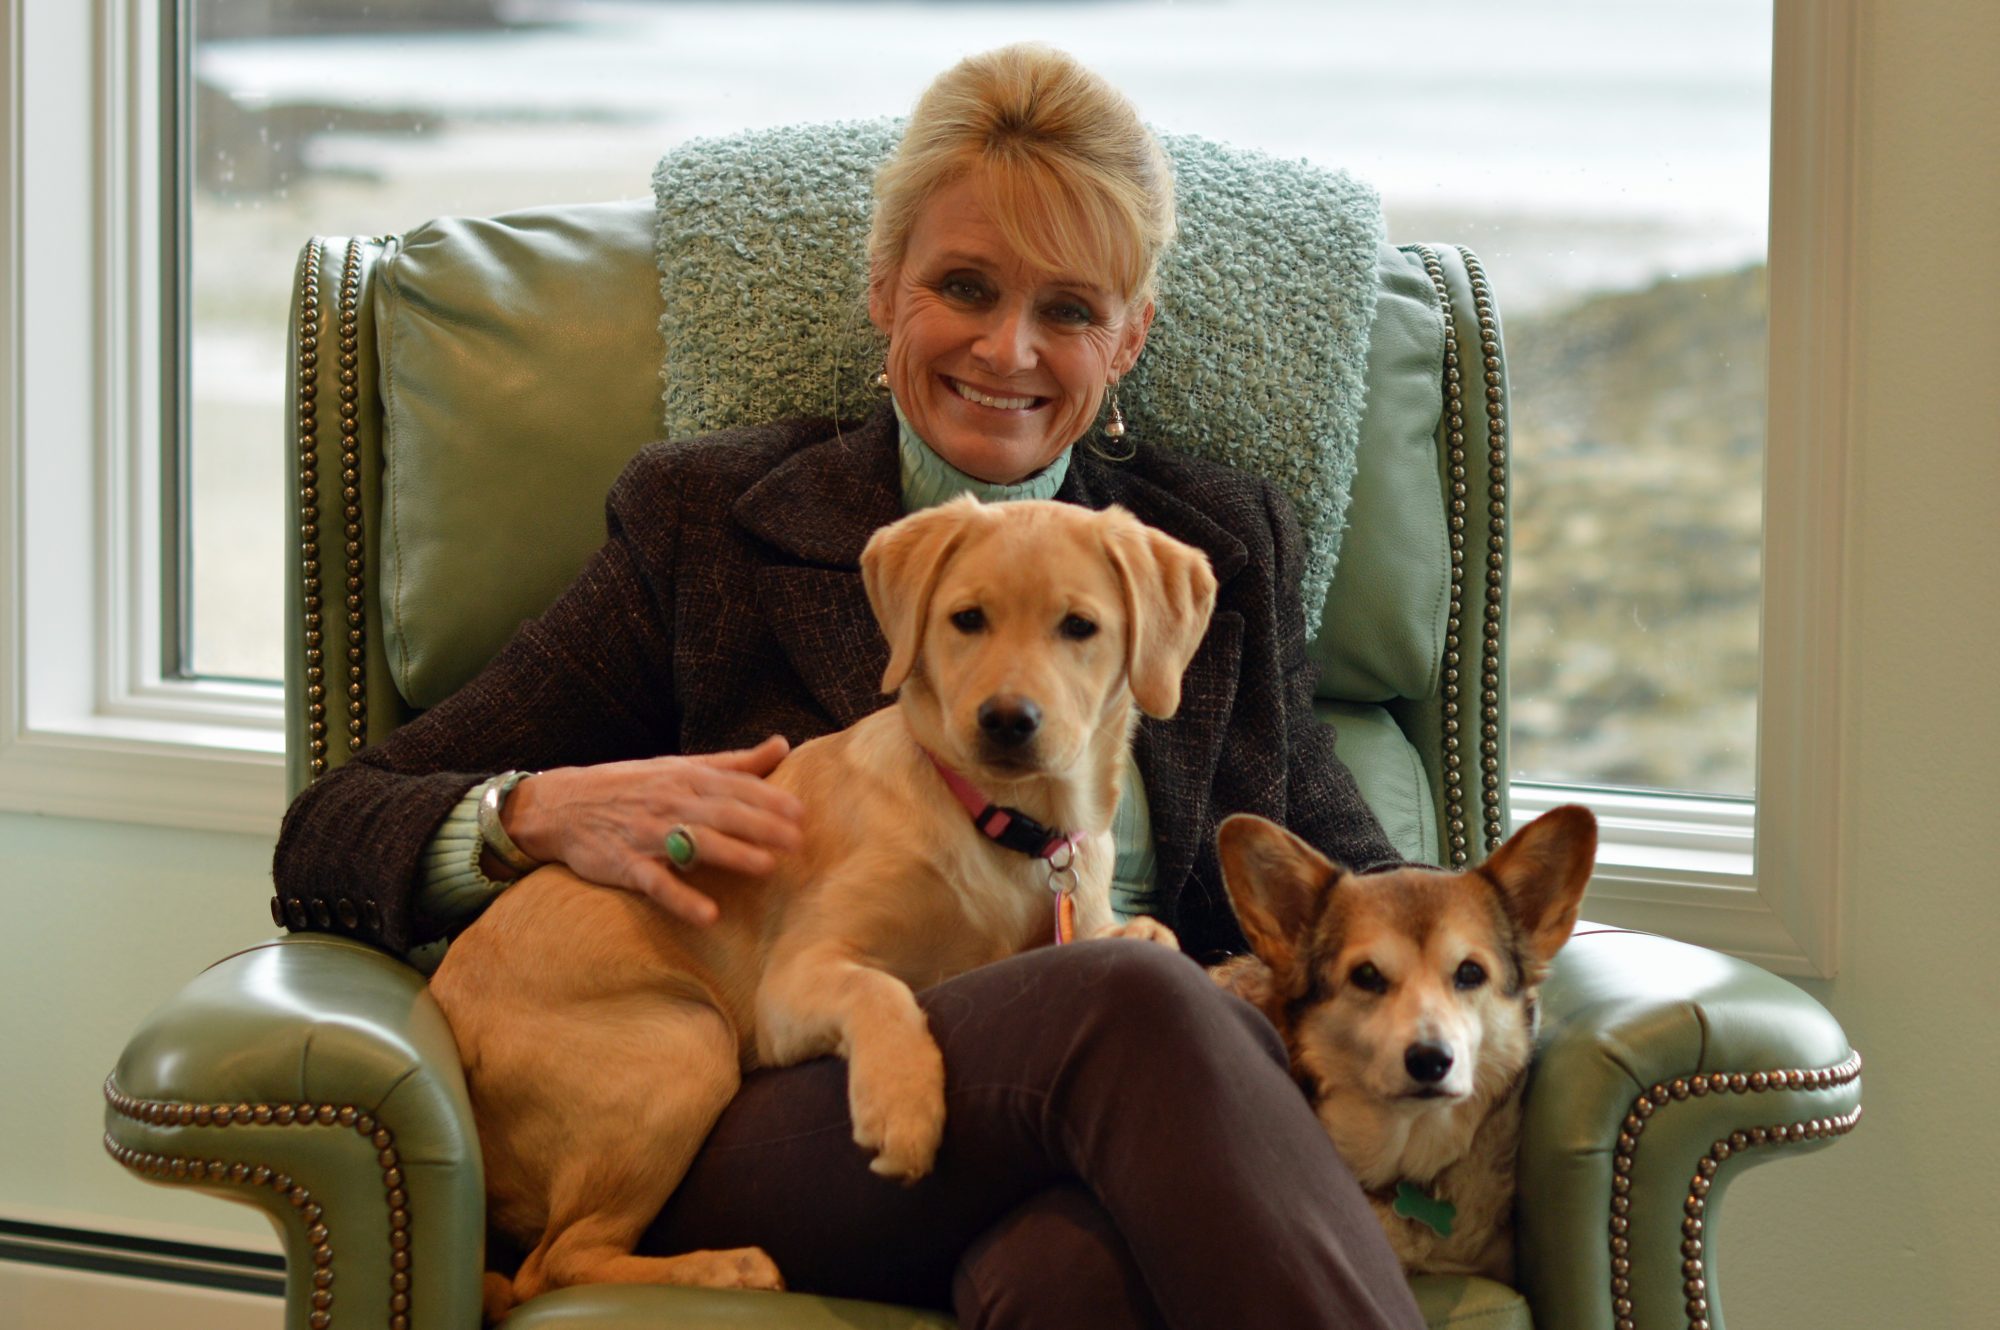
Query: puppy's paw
pixel 496 1298
pixel 898 1112
pixel 1145 928
pixel 743 1267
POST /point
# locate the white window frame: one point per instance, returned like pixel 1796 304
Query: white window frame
pixel 90 728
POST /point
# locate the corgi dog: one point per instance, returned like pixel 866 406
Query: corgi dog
pixel 1407 1000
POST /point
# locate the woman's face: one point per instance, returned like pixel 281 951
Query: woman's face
pixel 997 365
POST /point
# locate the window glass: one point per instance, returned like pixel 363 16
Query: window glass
pixel 1609 164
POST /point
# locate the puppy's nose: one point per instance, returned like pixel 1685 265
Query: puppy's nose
pixel 1008 720
pixel 1427 1063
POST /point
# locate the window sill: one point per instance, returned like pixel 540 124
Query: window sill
pixel 1684 867
pixel 159 773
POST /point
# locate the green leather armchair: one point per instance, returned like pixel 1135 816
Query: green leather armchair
pixel 471 388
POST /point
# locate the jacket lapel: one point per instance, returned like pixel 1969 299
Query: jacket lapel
pixel 822 619
pixel 1177 758
pixel 817 509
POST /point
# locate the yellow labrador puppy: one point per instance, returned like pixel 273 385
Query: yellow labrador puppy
pixel 601 1037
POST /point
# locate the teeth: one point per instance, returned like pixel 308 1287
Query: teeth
pixel 1002 403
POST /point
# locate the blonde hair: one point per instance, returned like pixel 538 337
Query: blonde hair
pixel 1071 174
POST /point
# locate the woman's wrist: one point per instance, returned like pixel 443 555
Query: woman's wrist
pixel 525 816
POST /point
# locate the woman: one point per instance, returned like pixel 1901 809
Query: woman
pixel 1124 1148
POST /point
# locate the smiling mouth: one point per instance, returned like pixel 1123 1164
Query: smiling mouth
pixel 993 401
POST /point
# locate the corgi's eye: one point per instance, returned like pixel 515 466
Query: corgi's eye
pixel 1076 628
pixel 1471 974
pixel 969 621
pixel 1367 978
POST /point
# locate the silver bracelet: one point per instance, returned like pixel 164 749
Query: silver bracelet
pixel 492 832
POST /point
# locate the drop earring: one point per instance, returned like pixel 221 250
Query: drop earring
pixel 1114 432
pixel 881 379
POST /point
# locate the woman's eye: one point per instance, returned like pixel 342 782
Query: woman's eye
pixel 1367 978
pixel 1076 628
pixel 1471 974
pixel 969 621
pixel 966 289
pixel 1072 313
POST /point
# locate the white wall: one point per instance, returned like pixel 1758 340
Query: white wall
pixel 99 923
pixel 1896 1225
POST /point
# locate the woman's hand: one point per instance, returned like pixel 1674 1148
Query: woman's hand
pixel 609 823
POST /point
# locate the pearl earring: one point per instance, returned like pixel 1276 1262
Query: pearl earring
pixel 1114 428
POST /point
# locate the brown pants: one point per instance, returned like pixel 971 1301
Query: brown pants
pixel 1124 1146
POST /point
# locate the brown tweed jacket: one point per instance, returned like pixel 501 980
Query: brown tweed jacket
pixel 727 605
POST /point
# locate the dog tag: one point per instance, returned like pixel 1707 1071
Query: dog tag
pixel 1065 917
pixel 1413 1202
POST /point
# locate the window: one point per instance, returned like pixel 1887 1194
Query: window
pixel 1626 245
pixel 1612 181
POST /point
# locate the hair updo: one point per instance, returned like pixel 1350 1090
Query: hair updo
pixel 1072 177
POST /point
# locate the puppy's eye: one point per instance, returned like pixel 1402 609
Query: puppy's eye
pixel 1471 974
pixel 1368 979
pixel 969 621
pixel 1076 628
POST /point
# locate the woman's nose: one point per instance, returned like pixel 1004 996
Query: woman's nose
pixel 1006 344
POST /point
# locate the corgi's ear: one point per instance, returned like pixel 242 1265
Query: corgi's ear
pixel 1169 594
pixel 1542 871
pixel 1275 882
pixel 900 567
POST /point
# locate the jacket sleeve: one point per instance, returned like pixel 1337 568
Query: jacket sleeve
pixel 589 681
pixel 1323 803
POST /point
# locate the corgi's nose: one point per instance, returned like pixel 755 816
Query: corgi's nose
pixel 1009 720
pixel 1427 1063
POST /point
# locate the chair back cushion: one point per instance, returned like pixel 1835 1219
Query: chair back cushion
pixel 1256 358
pixel 520 371
pixel 520 363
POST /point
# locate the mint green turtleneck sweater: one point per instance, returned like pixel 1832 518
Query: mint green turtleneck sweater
pixel 454 888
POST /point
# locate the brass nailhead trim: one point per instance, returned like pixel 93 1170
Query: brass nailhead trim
pixel 350 497
pixel 308 421
pixel 182 1168
pixel 1496 552
pixel 1694 1281
pixel 1454 409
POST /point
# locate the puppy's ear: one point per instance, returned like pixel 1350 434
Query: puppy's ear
pixel 1275 882
pixel 1169 595
pixel 900 567
pixel 1542 871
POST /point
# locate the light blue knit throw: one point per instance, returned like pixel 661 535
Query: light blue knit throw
pixel 1256 357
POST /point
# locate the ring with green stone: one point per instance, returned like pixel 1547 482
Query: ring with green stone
pixel 681 849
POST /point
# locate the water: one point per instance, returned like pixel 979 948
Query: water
pixel 1637 133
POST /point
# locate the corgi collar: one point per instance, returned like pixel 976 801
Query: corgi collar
pixel 1017 831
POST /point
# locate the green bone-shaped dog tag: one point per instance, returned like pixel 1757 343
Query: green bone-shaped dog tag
pixel 1413 1202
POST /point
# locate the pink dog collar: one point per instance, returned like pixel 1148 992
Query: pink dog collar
pixel 1017 831
pixel 1008 826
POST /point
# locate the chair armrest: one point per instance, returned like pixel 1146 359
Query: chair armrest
pixel 1663 1069
pixel 314 1078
